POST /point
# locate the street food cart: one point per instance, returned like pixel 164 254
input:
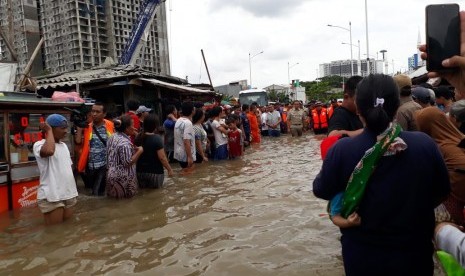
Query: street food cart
pixel 20 116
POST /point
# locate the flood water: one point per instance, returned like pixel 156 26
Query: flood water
pixel 252 216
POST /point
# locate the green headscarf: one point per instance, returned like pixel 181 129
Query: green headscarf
pixel 358 180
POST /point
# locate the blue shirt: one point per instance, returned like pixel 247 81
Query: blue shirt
pixel 335 205
pixel 245 124
pixel 98 151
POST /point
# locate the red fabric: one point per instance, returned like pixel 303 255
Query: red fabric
pixel 326 145
pixel 330 111
pixel 455 208
pixel 234 142
pixel 135 120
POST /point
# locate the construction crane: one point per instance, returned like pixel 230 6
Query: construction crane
pixel 144 20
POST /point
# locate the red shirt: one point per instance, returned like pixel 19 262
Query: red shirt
pixel 135 120
pixel 136 124
pixel 234 142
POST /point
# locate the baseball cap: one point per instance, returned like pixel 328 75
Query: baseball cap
pixel 422 94
pixel 56 120
pixel 403 81
pixel 143 109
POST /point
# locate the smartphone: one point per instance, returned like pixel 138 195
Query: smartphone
pixel 442 35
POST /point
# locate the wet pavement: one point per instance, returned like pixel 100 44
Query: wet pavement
pixel 252 216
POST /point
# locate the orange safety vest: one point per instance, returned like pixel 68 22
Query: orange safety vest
pixel 82 164
pixel 321 121
pixel 284 116
pixel 330 111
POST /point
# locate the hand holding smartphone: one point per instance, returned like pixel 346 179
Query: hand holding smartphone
pixel 442 35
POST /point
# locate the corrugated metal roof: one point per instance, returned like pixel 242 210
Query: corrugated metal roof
pixel 178 87
pixel 98 75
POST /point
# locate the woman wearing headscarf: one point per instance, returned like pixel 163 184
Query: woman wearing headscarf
pixel 450 140
pixel 121 160
pixel 393 180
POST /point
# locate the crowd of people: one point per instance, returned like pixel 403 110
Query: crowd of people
pixel 115 157
pixel 393 161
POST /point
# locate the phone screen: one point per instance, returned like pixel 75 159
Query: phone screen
pixel 442 34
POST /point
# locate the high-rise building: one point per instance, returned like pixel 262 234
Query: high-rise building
pixel 343 68
pixel 81 34
pixel 19 24
pixel 413 62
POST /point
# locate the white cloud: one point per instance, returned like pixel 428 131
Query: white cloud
pixel 260 8
pixel 287 31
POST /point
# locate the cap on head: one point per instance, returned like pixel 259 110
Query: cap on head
pixel 143 109
pixel 56 120
pixel 403 81
pixel 421 94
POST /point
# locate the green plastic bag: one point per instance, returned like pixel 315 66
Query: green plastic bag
pixel 450 265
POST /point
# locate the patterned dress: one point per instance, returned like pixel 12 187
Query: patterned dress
pixel 121 175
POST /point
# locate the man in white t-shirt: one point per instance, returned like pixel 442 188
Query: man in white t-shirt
pixel 57 192
pixel 184 137
pixel 264 118
pixel 220 133
pixel 273 122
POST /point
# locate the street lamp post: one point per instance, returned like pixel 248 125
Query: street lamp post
pixel 350 36
pixel 250 66
pixel 359 63
pixel 374 64
pixel 366 32
pixel 289 75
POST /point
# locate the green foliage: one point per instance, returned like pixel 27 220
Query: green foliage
pixel 226 98
pixel 324 88
pixel 275 96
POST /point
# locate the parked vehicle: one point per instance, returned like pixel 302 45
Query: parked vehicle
pixel 260 96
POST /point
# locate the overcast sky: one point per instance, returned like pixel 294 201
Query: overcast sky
pixel 288 31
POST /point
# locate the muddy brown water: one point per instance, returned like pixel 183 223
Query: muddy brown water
pixel 252 216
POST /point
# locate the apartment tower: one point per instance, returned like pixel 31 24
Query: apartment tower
pixel 83 34
pixel 20 25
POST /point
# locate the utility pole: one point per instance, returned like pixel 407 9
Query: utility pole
pixel 206 67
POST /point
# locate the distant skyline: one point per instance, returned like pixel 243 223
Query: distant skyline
pixel 293 31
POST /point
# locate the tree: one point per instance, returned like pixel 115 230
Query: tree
pixel 323 89
pixel 275 96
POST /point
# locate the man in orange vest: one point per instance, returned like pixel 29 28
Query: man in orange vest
pixel 93 160
pixel 332 107
pixel 319 119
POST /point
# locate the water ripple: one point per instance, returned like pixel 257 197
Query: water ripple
pixel 253 216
